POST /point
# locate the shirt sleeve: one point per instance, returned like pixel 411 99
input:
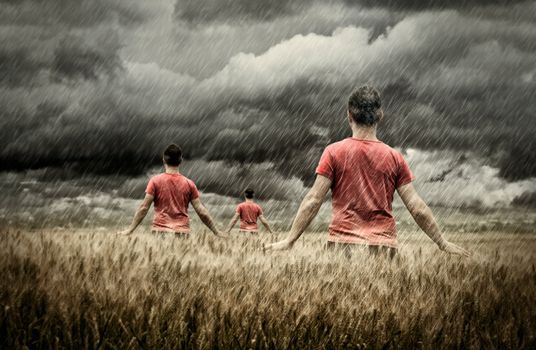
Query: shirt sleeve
pixel 151 188
pixel 259 210
pixel 194 191
pixel 238 209
pixel 405 175
pixel 325 165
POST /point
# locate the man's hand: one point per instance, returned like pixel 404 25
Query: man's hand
pixel 126 232
pixel 425 219
pixel 452 248
pixel 281 245
pixel 140 214
pixel 205 217
pixel 308 209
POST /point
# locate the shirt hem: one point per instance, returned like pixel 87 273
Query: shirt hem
pixel 167 229
pixel 324 174
pixel 335 238
pixel 406 182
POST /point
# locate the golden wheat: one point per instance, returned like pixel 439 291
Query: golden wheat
pixel 86 289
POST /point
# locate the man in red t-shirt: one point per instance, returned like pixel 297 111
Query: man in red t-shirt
pixel 248 212
pixel 363 174
pixel 171 193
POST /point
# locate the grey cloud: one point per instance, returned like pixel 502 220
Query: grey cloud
pixel 202 50
pixel 73 13
pixel 231 179
pixel 206 11
pixel 235 11
pixel 519 161
pixel 526 199
pixel 74 58
pixel 429 4
pixel 449 81
pixel 62 39
pixel 17 67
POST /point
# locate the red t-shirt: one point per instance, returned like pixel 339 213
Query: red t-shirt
pixel 249 212
pixel 172 194
pixel 365 175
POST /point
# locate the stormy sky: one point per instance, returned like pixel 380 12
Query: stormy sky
pixel 258 88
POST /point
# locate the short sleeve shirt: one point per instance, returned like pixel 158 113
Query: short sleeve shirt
pixel 249 212
pixel 172 195
pixel 364 175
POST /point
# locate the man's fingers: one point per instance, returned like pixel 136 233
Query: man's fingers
pixel 462 251
pixel 467 253
pixel 459 251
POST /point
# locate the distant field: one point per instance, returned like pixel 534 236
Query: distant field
pixel 93 289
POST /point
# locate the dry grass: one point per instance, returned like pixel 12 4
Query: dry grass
pixel 96 290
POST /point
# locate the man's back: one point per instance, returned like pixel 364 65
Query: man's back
pixel 364 176
pixel 172 195
pixel 249 212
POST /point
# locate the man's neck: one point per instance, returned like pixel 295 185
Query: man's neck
pixel 249 200
pixel 172 169
pixel 364 132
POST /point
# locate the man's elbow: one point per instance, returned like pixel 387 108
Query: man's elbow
pixel 143 210
pixel 420 213
pixel 313 202
pixel 203 214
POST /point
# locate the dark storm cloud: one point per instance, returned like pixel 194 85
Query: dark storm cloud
pixel 449 81
pixel 62 39
pixel 206 11
pixel 526 199
pixel 221 11
pixel 74 59
pixel 52 54
pixel 430 4
pixel 17 67
pixel 74 13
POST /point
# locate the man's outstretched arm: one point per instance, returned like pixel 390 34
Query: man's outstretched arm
pixel 424 217
pixel 205 217
pixel 306 213
pixel 140 214
pixel 233 222
pixel 265 223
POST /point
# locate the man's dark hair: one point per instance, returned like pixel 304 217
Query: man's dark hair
pixel 249 193
pixel 173 155
pixel 365 105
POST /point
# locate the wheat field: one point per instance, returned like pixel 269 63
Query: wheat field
pixel 93 289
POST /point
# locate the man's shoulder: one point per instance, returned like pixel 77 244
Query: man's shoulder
pixel 348 144
pixel 336 147
pixel 338 144
pixel 389 148
pixel 163 177
pixel 398 154
pixel 188 180
pixel 340 147
pixel 157 177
